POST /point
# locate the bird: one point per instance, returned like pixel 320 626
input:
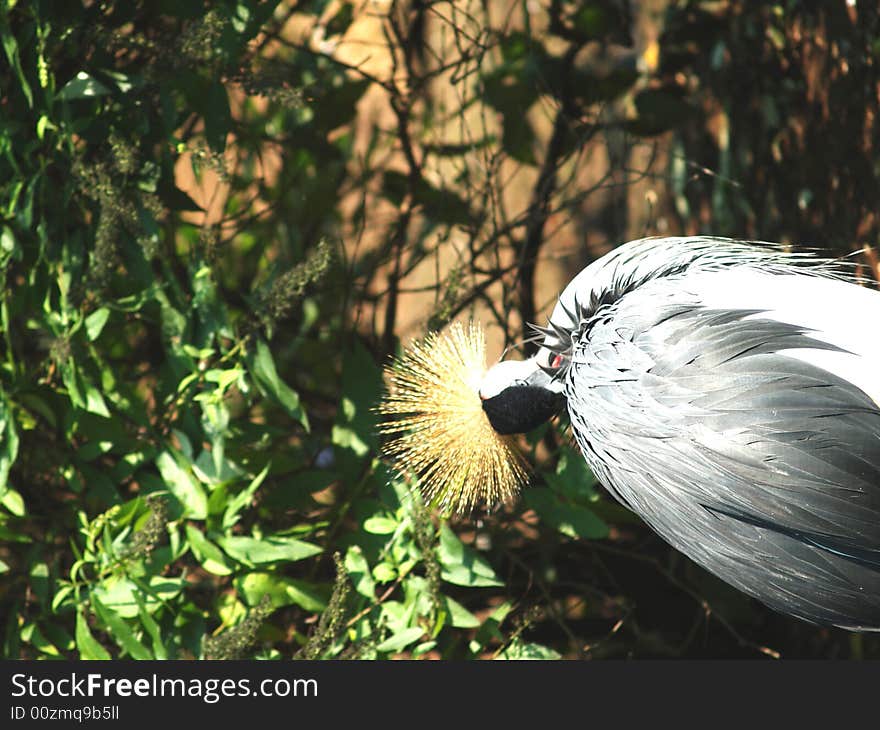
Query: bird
pixel 728 393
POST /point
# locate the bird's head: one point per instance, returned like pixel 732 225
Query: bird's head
pixel 519 395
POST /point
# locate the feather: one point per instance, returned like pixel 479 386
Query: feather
pixel 715 390
pixel 832 311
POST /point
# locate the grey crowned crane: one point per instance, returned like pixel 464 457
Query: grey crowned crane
pixel 726 392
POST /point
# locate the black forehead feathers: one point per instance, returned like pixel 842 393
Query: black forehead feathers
pixel 520 408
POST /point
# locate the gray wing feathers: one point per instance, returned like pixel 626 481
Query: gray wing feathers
pixel 761 467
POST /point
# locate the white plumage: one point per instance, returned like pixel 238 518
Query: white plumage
pixel 833 311
pixel 727 392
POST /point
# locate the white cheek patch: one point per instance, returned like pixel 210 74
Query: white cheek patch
pixel 505 374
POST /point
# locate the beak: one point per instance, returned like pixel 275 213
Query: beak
pixel 519 395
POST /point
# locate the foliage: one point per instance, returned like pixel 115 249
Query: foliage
pixel 791 91
pixel 187 436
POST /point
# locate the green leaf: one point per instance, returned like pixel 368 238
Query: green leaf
pixel 461 564
pixel 659 110
pixel 95 323
pixel 459 616
pixel 82 86
pixel 438 204
pixel 307 595
pixel 13 501
pixel 121 631
pixel 339 23
pixel 241 500
pixel 359 572
pixel 218 118
pixel 402 639
pixel 206 552
pixel 490 629
pixel 349 438
pixel 570 519
pixel 8 246
pixel 123 82
pixel 120 593
pixel 518 139
pixel 263 368
pixel 354 431
pixel 601 20
pixel 70 378
pixel 95 401
pixel 253 551
pixel 59 636
pixel 8 443
pixel 282 591
pixel 519 649
pixel 384 572
pixel 37 404
pixel 7 535
pixel 336 104
pixel 602 85
pixel 39 581
pixel 513 87
pixel 31 634
pixel 423 648
pixel 176 199
pixel 88 646
pixel 10 46
pixel 224 378
pixel 182 483
pixel 573 478
pixel 152 628
pixel 173 323
pixel 380 525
